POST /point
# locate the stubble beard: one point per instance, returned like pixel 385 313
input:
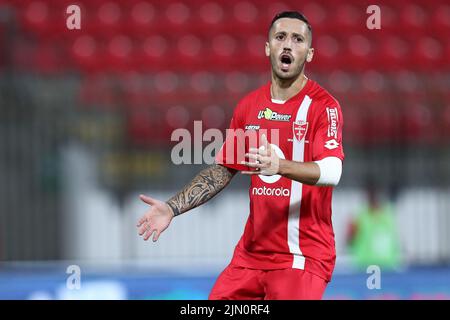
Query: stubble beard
pixel 283 76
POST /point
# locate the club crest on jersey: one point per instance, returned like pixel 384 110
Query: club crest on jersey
pixel 299 128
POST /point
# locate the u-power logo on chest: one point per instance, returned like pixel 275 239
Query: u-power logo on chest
pixel 268 114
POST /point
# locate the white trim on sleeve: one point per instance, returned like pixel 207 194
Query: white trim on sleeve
pixel 330 171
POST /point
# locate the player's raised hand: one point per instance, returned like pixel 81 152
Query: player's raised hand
pixel 156 219
pixel 265 159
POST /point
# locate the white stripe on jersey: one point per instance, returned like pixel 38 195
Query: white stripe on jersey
pixel 293 232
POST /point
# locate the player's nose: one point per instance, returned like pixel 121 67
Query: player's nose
pixel 287 46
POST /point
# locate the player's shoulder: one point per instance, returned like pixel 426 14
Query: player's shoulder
pixel 250 98
pixel 321 97
pixel 253 95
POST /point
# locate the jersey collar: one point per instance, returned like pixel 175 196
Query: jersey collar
pixel 297 97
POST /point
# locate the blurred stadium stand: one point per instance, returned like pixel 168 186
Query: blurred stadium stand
pixel 86 118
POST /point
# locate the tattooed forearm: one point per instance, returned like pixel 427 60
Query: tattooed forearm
pixel 202 188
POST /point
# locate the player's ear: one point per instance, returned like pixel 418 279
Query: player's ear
pixel 310 55
pixel 267 49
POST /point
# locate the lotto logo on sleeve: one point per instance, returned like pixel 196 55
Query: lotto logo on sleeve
pixel 332 114
pixel 331 144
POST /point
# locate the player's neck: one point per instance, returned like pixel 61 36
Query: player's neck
pixel 283 90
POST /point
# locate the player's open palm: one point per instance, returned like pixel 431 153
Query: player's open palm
pixel 155 220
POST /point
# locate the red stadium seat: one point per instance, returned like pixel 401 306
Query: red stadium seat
pixel 109 16
pixel 223 52
pixel 210 19
pixel 214 116
pixel 237 82
pixel 167 82
pixel 177 116
pixel 119 52
pixel 271 9
pixel 188 53
pixel 390 17
pixel 153 53
pixel 348 17
pixel 142 18
pixel 202 82
pixel 103 18
pixel 393 53
pixel 42 20
pixel 413 18
pixel 328 54
pixel 244 18
pixel 359 54
pixel 178 16
pixel 253 57
pixel 318 16
pixel 428 54
pixel 340 82
pixel 87 54
pixel 440 20
pixel 405 82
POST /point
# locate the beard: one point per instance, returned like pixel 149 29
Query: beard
pixel 294 72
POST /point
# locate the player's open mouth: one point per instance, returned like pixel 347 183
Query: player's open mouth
pixel 286 61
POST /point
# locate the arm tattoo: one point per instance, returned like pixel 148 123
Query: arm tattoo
pixel 202 188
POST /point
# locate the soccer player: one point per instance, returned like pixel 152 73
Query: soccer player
pixel 287 249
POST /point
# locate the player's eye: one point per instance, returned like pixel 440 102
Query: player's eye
pixel 279 37
pixel 298 39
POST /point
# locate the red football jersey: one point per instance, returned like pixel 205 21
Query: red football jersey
pixel 289 225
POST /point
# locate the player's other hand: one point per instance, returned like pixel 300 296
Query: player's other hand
pixel 264 159
pixel 155 220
